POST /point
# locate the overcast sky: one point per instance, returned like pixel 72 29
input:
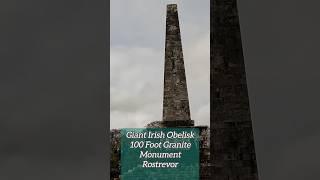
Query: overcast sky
pixel 137 59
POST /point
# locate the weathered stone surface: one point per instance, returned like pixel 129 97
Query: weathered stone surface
pixel 232 144
pixel 176 110
pixel 155 124
pixel 115 154
pixel 204 152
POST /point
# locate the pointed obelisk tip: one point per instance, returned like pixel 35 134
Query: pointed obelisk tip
pixel 172 7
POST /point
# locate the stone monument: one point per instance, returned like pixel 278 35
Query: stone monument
pixel 232 148
pixel 176 110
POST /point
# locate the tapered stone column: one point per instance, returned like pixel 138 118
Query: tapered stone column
pixel 176 110
pixel 232 144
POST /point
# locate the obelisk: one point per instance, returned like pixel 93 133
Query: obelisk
pixel 176 110
pixel 231 144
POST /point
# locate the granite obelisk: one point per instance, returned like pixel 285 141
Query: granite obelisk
pixel 176 110
pixel 231 144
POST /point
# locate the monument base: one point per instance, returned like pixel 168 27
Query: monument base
pixel 178 123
